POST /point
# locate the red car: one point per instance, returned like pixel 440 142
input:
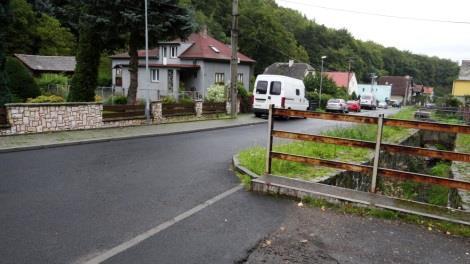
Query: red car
pixel 354 106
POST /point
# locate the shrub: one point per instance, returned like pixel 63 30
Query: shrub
pixel 21 83
pixel 47 79
pixel 120 100
pixel 185 100
pixel 98 99
pixel 46 99
pixel 216 94
pixel 168 100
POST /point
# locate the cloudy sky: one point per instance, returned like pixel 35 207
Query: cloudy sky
pixel 445 40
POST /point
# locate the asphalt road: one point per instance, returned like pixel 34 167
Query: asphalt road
pixel 70 204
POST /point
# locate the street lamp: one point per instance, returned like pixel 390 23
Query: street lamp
pixel 321 79
pixel 147 71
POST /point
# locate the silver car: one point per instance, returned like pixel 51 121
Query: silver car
pixel 383 105
pixel 337 105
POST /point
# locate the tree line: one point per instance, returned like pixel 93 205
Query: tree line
pixel 268 33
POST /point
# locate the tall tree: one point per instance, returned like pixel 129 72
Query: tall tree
pixel 166 20
pixel 34 32
pixel 5 95
pixel 93 20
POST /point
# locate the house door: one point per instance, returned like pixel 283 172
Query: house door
pixel 170 81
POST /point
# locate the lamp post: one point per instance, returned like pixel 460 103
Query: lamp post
pixel 321 80
pixel 147 71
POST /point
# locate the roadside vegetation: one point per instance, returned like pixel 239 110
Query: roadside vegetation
pixel 253 158
pixel 430 224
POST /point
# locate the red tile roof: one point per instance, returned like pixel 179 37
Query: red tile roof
pixel 206 47
pixel 340 78
pixel 428 90
pixel 152 53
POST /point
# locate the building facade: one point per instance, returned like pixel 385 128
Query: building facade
pixel 461 86
pixel 382 93
pixel 182 66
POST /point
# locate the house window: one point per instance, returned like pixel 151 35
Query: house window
pixel 174 51
pixel 220 78
pixel 240 77
pixel 155 75
pixel 164 52
pixel 297 92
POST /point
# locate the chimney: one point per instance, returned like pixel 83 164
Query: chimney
pixel 204 31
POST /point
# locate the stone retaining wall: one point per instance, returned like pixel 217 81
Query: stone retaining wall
pixel 52 117
pixel 37 118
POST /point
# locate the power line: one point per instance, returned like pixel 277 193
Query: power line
pixel 379 14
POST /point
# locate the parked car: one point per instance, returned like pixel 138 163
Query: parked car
pixel 368 101
pixel 283 92
pixel 354 106
pixel 394 103
pixel 383 105
pixel 337 105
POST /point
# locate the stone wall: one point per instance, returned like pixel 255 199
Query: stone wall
pixel 38 118
pixel 52 117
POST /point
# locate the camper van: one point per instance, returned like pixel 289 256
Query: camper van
pixel 368 101
pixel 282 91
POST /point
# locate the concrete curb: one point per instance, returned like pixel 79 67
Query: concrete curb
pixel 92 141
pixel 286 187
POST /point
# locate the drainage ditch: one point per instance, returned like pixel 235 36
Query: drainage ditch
pixel 427 193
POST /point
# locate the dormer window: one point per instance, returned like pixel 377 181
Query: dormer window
pixel 216 50
pixel 174 51
pixel 164 52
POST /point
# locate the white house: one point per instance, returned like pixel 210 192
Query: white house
pixel 177 66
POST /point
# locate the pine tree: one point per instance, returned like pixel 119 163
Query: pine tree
pixel 5 95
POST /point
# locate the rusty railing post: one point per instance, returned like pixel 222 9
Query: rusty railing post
pixel 269 148
pixel 375 169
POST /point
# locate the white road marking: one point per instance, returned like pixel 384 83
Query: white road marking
pixel 157 229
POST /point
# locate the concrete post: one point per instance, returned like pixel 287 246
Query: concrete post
pixel 229 107
pixel 157 111
pixel 198 108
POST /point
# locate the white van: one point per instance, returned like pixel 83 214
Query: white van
pixel 282 91
pixel 368 101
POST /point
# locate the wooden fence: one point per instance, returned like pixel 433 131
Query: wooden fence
pixel 3 116
pixel 214 108
pixel 169 110
pixel 374 170
pixel 112 112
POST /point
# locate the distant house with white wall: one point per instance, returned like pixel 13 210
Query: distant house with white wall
pixel 193 65
pixel 382 93
pixel 346 80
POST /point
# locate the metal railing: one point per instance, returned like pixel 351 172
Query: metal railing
pixel 374 170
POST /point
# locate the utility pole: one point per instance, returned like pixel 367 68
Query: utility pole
pixel 234 61
pixel 349 71
pixel 147 71
pixel 321 80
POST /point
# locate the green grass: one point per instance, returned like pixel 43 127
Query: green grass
pixel 348 208
pixel 463 143
pixel 254 158
pixel 433 194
